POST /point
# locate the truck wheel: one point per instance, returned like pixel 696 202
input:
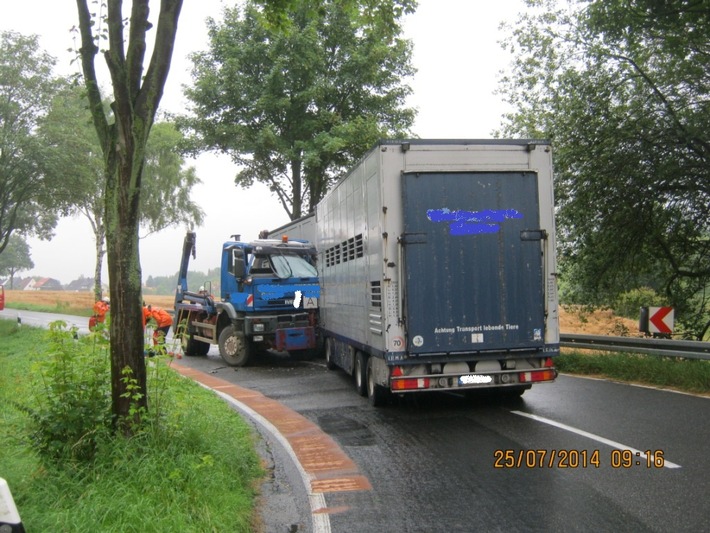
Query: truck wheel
pixel 191 346
pixel 376 394
pixel 234 349
pixel 329 352
pixel 360 372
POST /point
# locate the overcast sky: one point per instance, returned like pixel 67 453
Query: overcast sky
pixel 458 60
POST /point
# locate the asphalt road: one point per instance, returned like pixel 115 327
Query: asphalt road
pixel 446 463
pixel 556 460
pixel 42 320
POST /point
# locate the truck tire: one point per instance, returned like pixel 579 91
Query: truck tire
pixel 191 346
pixel 236 350
pixel 329 352
pixel 377 395
pixel 360 373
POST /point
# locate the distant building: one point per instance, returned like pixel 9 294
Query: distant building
pixel 44 284
pixel 81 285
pixel 20 284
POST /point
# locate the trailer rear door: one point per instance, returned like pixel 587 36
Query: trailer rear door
pixel 473 261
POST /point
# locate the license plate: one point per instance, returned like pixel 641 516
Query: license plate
pixel 475 379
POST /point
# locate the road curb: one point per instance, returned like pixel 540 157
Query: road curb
pixel 323 466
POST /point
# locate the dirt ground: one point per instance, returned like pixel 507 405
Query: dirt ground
pixel 71 301
pixel 597 322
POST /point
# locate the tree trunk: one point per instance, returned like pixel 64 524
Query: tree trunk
pixel 121 219
pixel 100 238
pixel 317 184
pixel 126 326
pixel 137 94
pixel 297 186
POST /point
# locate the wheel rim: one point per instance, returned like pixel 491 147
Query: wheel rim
pixel 231 346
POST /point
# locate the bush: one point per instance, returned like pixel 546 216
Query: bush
pixel 71 411
pixel 189 466
pixel 71 414
pixel 629 303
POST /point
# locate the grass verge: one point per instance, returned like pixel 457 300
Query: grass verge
pixel 198 472
pixel 687 375
pixel 58 307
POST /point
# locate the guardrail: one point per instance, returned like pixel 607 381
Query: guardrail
pixel 665 347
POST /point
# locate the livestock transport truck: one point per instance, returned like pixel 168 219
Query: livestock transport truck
pixel 437 267
pixel 268 300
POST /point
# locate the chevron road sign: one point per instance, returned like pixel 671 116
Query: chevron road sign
pixel 660 319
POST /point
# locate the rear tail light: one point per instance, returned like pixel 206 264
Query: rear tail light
pixel 410 383
pixel 537 375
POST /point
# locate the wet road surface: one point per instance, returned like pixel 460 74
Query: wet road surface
pixel 554 460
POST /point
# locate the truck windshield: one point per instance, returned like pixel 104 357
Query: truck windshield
pixel 292 266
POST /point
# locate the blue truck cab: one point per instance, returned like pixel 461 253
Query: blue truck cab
pixel 269 294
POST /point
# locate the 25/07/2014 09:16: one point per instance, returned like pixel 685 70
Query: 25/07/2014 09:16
pixel 576 459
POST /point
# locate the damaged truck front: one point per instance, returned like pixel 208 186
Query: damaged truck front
pixel 268 300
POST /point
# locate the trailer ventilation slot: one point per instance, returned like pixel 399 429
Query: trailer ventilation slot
pixel 345 251
pixel 375 294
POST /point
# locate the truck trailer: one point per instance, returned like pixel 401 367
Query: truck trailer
pixel 437 267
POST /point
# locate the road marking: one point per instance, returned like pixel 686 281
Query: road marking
pixel 613 444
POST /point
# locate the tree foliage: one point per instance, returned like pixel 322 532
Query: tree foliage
pixel 123 136
pixel 168 185
pixel 15 258
pixel 27 185
pixel 76 155
pixel 621 88
pixel 298 101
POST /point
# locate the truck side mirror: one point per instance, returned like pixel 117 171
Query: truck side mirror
pixel 239 266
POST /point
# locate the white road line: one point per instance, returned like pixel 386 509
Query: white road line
pixel 613 444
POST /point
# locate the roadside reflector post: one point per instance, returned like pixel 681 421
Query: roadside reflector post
pixel 9 517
